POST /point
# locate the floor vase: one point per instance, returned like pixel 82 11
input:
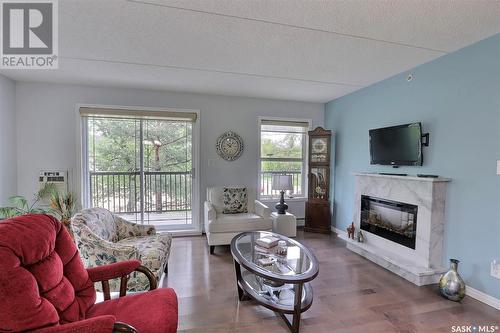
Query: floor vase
pixel 451 285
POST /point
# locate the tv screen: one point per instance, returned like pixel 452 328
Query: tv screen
pixel 396 145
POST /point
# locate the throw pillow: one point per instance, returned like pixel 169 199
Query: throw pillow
pixel 235 200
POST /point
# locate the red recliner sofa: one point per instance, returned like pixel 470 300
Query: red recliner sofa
pixel 44 287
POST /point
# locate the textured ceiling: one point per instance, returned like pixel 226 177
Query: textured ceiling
pixel 297 50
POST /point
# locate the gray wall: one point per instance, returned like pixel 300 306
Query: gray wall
pixel 47 128
pixel 456 97
pixel 8 149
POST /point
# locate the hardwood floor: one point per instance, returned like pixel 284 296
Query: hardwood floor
pixel 351 294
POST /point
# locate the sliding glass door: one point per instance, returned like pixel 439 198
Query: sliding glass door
pixel 167 159
pixel 141 168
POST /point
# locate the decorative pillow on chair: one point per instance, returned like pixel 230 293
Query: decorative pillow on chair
pixel 235 200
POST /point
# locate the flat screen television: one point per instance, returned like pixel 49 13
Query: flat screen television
pixel 397 145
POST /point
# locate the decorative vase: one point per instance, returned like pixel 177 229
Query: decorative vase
pixel 451 285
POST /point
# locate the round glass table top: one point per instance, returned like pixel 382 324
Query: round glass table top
pixel 298 264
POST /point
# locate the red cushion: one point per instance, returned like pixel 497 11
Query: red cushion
pixel 42 278
pixel 102 324
pixel 150 312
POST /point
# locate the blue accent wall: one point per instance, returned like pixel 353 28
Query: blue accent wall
pixel 457 99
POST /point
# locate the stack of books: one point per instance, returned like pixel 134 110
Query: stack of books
pixel 267 242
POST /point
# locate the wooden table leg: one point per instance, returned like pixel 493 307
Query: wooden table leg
pixel 294 323
pixel 296 308
pixel 241 292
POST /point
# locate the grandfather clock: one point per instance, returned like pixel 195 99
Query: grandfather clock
pixel 318 204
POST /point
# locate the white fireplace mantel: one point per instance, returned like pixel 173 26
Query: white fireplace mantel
pixel 421 265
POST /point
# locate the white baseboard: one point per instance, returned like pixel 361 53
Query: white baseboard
pixel 338 231
pixel 469 291
pixel 482 297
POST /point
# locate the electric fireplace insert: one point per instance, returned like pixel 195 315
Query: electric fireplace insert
pixel 392 220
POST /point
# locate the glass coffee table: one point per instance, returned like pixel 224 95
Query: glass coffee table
pixel 278 282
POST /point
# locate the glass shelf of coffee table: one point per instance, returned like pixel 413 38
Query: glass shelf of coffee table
pixel 283 285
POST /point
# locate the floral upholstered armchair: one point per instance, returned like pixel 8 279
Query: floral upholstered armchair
pixel 105 238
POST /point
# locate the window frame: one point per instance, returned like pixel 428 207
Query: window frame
pixel 82 183
pixel 305 158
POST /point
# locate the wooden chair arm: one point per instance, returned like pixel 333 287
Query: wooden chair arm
pixel 153 284
pixel 120 327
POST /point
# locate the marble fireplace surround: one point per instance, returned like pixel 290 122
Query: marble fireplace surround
pixel 420 266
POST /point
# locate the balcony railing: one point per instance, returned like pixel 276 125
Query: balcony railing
pixel 266 183
pixel 120 192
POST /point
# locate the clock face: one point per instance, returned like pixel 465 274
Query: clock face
pixel 229 146
pixel 319 146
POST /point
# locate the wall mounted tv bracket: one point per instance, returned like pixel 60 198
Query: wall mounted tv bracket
pixel 425 140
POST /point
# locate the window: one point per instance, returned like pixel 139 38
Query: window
pixel 139 165
pixel 283 151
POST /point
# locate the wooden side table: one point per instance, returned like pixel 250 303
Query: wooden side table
pixel 284 224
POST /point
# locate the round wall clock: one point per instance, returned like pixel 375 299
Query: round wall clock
pixel 229 146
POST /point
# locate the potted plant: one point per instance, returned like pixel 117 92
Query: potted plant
pixel 63 206
pixel 19 205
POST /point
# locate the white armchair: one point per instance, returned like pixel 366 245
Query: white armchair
pixel 220 228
